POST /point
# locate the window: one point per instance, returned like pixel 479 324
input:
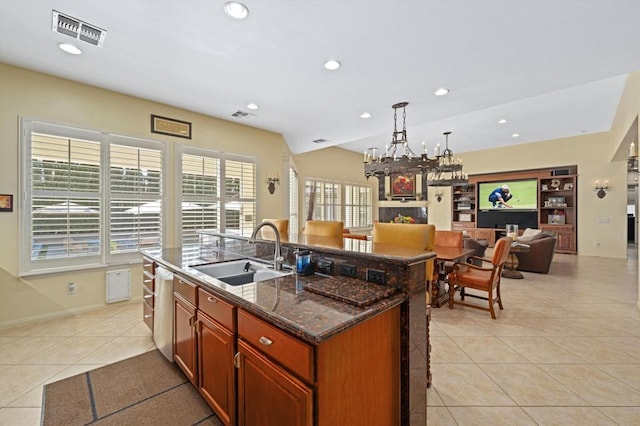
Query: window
pixel 358 206
pixel 69 175
pixel 323 199
pixel 293 200
pixel 204 205
pixel 135 179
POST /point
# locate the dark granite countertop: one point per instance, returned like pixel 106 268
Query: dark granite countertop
pixel 291 302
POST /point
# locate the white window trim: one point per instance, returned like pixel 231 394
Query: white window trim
pixel 50 266
pixel 181 149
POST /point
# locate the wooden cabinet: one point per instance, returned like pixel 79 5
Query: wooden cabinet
pixel 464 204
pixel 268 394
pixel 148 291
pixel 486 234
pixel 351 378
pixel 252 372
pixel 557 204
pixel 215 351
pixel 184 332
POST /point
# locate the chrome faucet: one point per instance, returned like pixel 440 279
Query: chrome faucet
pixel 278 260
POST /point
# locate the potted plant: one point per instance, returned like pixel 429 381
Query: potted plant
pixel 388 195
pixel 418 196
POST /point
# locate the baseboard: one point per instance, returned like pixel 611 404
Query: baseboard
pixel 62 314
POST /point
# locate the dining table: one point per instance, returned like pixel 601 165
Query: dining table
pixel 445 258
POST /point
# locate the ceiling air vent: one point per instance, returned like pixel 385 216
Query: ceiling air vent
pixel 75 28
pixel 240 114
pixel 319 140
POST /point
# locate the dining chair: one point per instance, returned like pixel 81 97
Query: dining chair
pixel 283 228
pixel 326 228
pixel 411 235
pixel 445 238
pixel 481 278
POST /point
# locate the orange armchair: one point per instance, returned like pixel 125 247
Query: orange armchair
pixel 486 279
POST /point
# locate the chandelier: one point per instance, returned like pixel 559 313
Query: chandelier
pixel 441 170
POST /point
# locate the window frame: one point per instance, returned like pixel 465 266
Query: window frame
pixel 223 157
pixel 28 126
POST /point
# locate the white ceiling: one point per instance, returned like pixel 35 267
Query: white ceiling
pixel 552 68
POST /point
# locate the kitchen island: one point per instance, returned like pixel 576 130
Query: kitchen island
pixel 328 348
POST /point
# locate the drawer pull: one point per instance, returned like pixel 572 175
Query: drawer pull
pixel 266 341
pixel 236 360
pixel 148 316
pixel 147 296
pixel 211 299
pixel 147 281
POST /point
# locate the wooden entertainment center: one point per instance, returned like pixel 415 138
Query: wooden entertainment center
pixel 555 208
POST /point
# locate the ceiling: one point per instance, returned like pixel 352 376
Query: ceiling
pixel 551 68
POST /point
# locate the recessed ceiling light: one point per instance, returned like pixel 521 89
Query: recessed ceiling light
pixel 332 65
pixel 236 10
pixel 365 115
pixel 441 91
pixel 502 120
pixel 70 48
pixel 515 135
pixel 252 106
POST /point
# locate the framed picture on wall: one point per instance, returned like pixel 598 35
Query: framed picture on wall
pixel 6 203
pixel 403 185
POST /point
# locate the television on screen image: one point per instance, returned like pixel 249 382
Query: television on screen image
pixel 525 194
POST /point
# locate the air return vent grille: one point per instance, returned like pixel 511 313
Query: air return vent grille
pixel 321 140
pixel 240 114
pixel 75 28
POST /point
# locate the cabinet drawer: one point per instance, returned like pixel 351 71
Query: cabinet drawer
pixel 148 266
pixel 148 297
pixel 147 315
pixel 283 348
pixel 217 309
pixel 185 289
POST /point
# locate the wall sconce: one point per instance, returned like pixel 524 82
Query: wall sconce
pixel 601 190
pixel 439 196
pixel 271 184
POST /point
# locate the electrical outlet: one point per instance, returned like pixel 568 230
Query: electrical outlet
pixel 324 266
pixel 376 276
pixel 348 270
pixel 71 288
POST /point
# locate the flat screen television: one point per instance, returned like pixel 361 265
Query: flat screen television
pixel 524 210
pixel 525 194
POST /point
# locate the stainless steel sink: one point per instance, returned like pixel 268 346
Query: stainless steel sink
pixel 238 272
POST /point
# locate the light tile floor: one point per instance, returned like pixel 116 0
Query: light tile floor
pixel 564 351
pixel 36 354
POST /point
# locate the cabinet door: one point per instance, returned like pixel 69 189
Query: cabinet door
pixel 268 395
pixel 184 345
pixel 216 381
pixel 566 242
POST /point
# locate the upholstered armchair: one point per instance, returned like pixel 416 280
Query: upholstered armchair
pixel 483 279
pixel 538 258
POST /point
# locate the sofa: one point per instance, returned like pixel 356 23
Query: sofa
pixel 538 258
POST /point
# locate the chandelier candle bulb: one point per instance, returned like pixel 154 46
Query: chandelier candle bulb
pixel 437 150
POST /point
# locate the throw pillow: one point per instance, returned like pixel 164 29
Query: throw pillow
pixel 528 234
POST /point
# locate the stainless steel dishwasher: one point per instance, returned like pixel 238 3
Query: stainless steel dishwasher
pixel 163 313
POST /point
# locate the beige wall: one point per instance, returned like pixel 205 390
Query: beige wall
pixel 50 99
pixel 47 98
pixel 334 164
